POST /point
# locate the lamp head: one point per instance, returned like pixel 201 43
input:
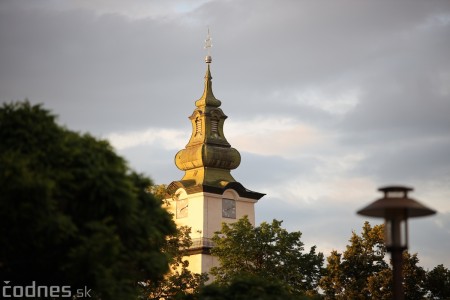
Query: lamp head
pixel 395 207
pixel 395 202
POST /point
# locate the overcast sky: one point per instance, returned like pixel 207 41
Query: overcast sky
pixel 326 100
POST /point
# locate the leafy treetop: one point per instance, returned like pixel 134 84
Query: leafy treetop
pixel 266 251
pixel 71 212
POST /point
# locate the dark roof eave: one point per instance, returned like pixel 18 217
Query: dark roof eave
pixel 191 188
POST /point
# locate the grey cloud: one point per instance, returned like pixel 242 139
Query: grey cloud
pixel 90 68
pixel 154 161
pixel 260 172
pixel 435 233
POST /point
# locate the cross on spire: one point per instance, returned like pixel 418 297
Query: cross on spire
pixel 208 45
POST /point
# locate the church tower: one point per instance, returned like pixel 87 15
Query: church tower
pixel 208 195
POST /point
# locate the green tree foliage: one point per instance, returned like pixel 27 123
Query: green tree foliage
pixel 346 274
pixel 361 272
pixel 71 212
pixel 159 191
pixel 248 287
pixel 437 283
pixel 267 251
pixel 414 277
pixel 380 284
pixel 180 281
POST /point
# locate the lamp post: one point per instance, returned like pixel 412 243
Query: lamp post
pixel 395 207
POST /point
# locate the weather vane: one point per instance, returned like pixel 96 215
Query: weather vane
pixel 208 45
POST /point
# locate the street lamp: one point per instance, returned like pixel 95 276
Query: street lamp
pixel 395 207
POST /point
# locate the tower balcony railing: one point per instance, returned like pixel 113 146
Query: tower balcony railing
pixel 201 243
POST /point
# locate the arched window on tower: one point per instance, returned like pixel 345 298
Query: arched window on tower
pixel 198 126
pixel 215 127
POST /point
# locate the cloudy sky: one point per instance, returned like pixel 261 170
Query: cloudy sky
pixel 327 100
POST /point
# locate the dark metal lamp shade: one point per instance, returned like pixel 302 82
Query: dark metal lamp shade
pixel 396 202
pixel 395 207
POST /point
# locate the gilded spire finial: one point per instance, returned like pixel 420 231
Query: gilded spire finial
pixel 208 45
pixel 208 96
